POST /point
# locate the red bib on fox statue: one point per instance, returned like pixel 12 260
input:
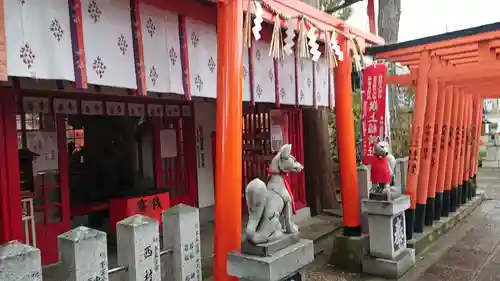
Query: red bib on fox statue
pixel 379 170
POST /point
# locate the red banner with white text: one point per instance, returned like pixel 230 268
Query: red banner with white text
pixel 373 112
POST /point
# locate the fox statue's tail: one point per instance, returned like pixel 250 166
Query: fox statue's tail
pixel 255 193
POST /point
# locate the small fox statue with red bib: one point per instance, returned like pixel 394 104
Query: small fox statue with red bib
pixel 382 169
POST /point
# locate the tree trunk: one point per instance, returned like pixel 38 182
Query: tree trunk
pixel 389 14
pixel 318 163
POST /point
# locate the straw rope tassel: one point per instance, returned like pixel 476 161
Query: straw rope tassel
pixel 276 43
pixel 248 26
pixel 302 46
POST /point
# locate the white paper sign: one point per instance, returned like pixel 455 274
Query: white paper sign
pixel 168 141
pixel 44 144
pixel 276 130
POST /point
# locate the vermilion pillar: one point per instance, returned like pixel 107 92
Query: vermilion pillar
pixel 346 143
pixel 475 143
pixel 463 147
pixel 11 224
pixel 425 161
pixel 456 158
pixel 229 141
pixel 451 153
pixel 416 140
pixel 443 151
pixel 465 172
pixel 435 152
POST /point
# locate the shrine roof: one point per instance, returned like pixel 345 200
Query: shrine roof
pixel 468 59
pixel 204 10
pixel 381 49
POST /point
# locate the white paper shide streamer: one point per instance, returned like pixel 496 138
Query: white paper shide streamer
pixel 334 45
pixel 311 34
pixel 290 35
pixel 257 21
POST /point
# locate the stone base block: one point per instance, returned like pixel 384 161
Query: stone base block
pixel 349 252
pixel 491 164
pixel 269 249
pixel 390 268
pixel 279 266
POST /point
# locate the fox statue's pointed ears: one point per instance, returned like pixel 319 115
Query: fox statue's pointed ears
pixel 285 151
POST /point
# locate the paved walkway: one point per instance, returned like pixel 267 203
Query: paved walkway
pixel 471 251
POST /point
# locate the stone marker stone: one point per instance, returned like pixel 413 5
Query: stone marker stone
pixel 138 245
pixel 181 233
pixel 268 249
pixel 20 262
pixel 389 256
pixel 83 254
pixel 280 266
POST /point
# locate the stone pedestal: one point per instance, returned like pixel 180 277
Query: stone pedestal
pixel 19 262
pixel 281 265
pixel 389 256
pixel 271 248
pixel 492 159
pixel 364 186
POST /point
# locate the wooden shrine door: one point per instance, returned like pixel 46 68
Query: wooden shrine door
pixel 45 135
pixel 175 154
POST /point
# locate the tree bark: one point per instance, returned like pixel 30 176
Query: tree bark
pixel 389 14
pixel 318 163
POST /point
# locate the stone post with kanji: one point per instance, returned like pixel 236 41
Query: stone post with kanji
pixel 19 262
pixel 138 242
pixel 181 234
pixel 389 257
pixel 83 255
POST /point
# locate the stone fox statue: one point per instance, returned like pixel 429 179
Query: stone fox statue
pixel 266 204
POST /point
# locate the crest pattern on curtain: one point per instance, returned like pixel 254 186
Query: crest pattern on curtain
pixel 202 51
pixel 305 81
pixel 38 39
pixel 154 41
pixel 321 80
pixel 109 50
pixel 247 96
pixel 286 75
pixel 263 73
pixel 160 39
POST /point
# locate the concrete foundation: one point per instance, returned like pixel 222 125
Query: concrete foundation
pixel 283 264
pixel 349 252
pixel 420 241
pixel 390 268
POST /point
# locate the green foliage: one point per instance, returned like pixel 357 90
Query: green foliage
pixel 329 4
pixel 401 106
pixel 356 110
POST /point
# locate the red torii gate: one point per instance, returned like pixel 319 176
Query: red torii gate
pixel 453 73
